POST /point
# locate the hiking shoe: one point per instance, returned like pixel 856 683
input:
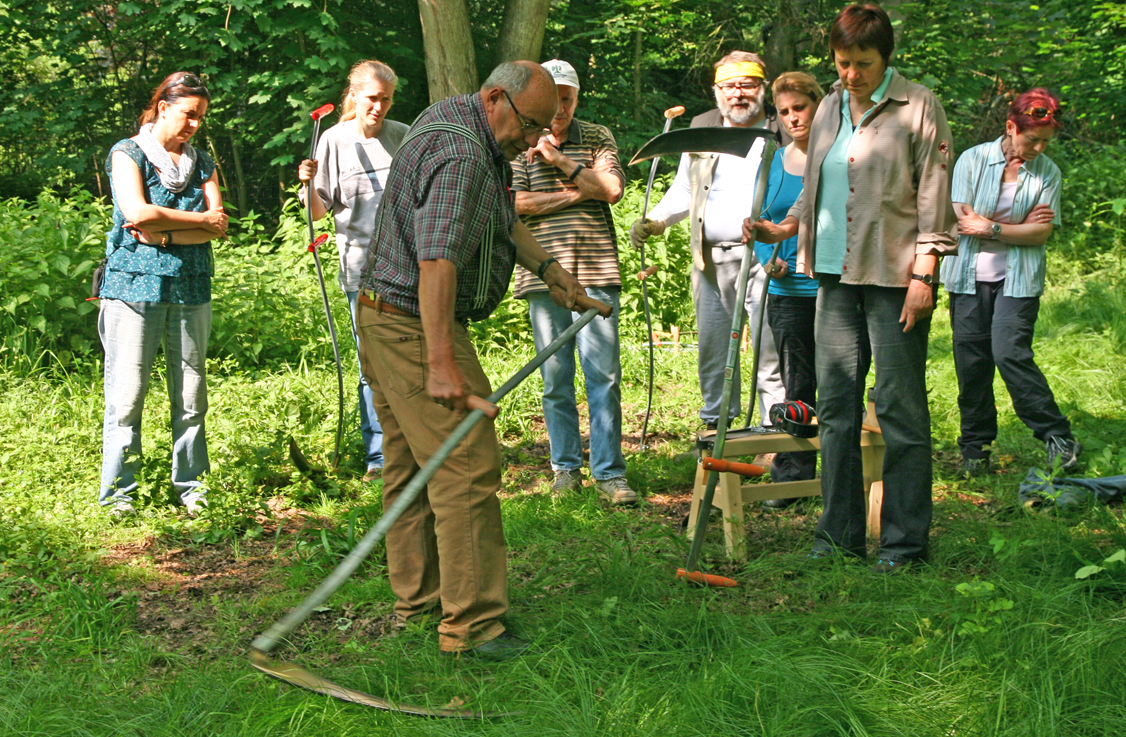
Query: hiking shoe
pixel 887 565
pixel 1064 450
pixel 372 474
pixel 122 510
pixel 502 647
pixel 972 467
pixel 567 481
pixel 616 490
pixel 776 504
pixel 195 503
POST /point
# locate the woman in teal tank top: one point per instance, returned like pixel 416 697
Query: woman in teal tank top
pixel 157 290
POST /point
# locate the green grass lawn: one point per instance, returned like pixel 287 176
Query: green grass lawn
pixel 143 628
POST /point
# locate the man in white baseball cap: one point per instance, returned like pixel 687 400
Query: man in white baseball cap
pixel 564 188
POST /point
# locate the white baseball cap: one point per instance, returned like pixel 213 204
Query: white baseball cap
pixel 562 72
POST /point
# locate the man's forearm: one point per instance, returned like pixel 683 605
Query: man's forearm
pixel 529 253
pixel 545 203
pixel 437 288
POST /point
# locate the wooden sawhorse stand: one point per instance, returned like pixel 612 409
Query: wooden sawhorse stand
pixel 731 493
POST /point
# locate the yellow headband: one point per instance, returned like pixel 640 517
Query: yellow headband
pixel 739 69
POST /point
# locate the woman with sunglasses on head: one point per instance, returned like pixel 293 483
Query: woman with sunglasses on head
pixel 157 290
pixel 352 161
pixel 792 296
pixel 1007 197
pixel 872 221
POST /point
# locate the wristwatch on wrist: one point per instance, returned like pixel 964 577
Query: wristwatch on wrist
pixel 996 230
pixel 924 278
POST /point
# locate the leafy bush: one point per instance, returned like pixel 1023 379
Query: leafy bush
pixel 47 252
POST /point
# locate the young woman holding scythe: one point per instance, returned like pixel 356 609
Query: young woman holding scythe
pixel 352 161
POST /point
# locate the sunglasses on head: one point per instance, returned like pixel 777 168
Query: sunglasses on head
pixel 188 80
pixel 1039 113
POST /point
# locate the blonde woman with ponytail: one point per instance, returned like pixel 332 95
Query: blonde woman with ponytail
pixel 352 161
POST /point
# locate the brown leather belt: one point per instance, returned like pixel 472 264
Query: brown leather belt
pixel 376 302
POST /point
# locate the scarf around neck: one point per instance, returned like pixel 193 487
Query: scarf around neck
pixel 174 178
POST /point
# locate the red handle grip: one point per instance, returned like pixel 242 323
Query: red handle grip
pixel 322 111
pixel 320 241
pixel 743 469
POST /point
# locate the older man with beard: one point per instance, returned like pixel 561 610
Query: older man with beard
pixel 716 191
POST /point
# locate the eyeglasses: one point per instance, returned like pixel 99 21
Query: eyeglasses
pixel 527 125
pixel 1039 113
pixel 730 88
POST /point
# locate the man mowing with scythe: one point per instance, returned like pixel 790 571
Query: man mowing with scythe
pixel 446 242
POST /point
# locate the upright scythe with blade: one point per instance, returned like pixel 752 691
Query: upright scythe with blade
pixel 737 142
pixel 315 243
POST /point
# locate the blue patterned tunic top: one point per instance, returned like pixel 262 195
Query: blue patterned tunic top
pixel 176 274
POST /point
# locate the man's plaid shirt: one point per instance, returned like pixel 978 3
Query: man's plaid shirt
pixel 443 193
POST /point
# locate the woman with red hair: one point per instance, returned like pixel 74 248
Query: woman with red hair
pixel 1007 196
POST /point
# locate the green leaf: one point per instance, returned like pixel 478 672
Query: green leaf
pixel 1088 571
pixel 1118 557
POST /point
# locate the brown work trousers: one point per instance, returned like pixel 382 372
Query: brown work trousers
pixel 447 550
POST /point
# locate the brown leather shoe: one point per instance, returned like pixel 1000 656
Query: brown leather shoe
pixel 505 646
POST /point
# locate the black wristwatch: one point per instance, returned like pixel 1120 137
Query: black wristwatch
pixel 924 278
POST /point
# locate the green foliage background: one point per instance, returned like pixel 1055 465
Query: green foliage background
pixel 74 76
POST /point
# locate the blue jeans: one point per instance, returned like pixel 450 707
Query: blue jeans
pixel 131 332
pixel 370 430
pixel 855 324
pixel 600 356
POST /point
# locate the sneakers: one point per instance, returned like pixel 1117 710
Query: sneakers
pixel 122 510
pixel 567 481
pixel 502 647
pixel 887 565
pixel 195 503
pixel 372 474
pixel 1063 450
pixel 616 490
pixel 972 467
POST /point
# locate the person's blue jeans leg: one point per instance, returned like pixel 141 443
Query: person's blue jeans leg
pixel 560 411
pixel 130 333
pixel 186 333
pixel 370 430
pixel 600 356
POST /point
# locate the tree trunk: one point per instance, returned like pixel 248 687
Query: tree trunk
pixel 521 36
pixel 451 66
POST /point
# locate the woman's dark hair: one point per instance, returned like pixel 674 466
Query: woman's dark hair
pixel 865 26
pixel 175 86
pixel 1037 108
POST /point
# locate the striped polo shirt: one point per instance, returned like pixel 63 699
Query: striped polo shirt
pixel 580 236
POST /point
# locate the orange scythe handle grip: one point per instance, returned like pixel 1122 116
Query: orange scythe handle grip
pixel 584 303
pixel 648 271
pixel 674 112
pixel 743 469
pixel 871 428
pixel 707 579
pixel 474 402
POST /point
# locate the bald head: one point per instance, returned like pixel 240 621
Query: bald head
pixel 520 101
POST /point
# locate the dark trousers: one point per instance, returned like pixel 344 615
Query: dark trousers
pixel 995 331
pixel 791 321
pixel 855 324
